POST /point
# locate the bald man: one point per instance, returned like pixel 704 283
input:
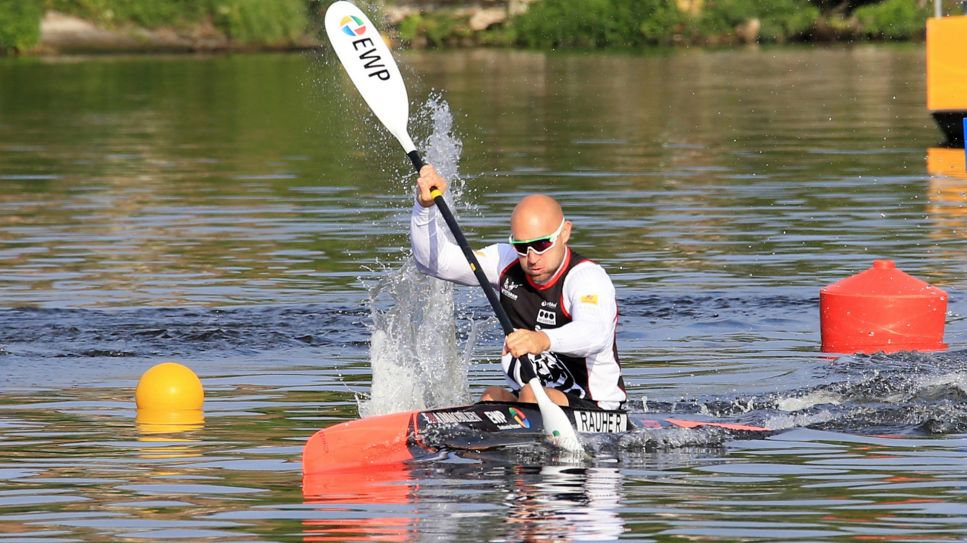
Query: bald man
pixel 562 306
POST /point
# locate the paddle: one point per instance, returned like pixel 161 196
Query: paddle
pixel 374 72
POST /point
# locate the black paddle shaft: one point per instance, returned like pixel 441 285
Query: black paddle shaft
pixel 467 251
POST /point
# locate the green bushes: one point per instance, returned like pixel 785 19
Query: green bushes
pixel 779 20
pixel 20 24
pixel 243 21
pixel 664 25
pixel 633 23
pixel 893 19
pixel 150 14
pixel 260 21
pixel 597 23
pixel 546 24
pixel 435 29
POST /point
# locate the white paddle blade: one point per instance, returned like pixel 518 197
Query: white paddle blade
pixel 557 427
pixel 364 55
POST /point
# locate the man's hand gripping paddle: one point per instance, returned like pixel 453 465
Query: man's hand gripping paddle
pixel 374 72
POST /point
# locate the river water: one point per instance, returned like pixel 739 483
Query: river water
pixel 245 216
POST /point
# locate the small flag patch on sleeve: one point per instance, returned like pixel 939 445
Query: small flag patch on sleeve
pixel 589 299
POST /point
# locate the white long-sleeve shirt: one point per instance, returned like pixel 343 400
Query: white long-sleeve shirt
pixel 588 297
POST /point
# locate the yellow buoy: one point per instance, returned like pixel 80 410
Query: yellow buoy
pixel 169 386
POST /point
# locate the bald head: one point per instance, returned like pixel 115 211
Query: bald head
pixel 535 216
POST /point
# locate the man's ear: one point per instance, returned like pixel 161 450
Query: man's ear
pixel 566 232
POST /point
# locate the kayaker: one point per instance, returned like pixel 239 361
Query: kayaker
pixel 562 305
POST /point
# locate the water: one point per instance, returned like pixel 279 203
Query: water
pixel 244 216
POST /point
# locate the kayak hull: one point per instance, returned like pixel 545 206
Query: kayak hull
pixel 400 437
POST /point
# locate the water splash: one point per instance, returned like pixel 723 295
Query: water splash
pixel 413 349
pixel 442 147
pixel 902 393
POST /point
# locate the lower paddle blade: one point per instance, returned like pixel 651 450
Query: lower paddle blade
pixel 359 443
pixel 557 427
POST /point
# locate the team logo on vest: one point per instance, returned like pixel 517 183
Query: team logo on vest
pixel 554 374
pixel 508 288
pixel 546 317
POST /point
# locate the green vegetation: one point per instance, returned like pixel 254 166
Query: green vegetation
pixel 260 21
pixel 546 24
pixel 549 24
pixel 778 20
pixel 243 22
pixel 596 23
pixel 893 19
pixel 636 23
pixel 149 14
pixel 20 24
pixel 435 29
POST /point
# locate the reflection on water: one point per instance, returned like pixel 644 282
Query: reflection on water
pixel 580 502
pixel 798 485
pixel 358 505
pixel 165 427
pixel 539 503
pixel 233 213
pixel 948 193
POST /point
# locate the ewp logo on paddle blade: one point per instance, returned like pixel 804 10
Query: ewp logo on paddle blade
pixel 353 26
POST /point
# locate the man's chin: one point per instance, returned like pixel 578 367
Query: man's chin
pixel 539 277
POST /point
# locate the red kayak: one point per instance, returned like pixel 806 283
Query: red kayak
pixel 400 437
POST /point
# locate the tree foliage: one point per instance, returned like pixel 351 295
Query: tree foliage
pixel 633 23
pixel 259 21
pixel 244 21
pixel 893 19
pixel 20 24
pixel 597 23
pixel 780 20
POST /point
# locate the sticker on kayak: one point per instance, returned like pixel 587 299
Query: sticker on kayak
pixel 519 419
pixel 451 417
pixel 600 422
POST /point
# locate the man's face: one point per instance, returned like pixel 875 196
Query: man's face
pixel 541 267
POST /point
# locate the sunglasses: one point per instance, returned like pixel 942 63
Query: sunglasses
pixel 539 245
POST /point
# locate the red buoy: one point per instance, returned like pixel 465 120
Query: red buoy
pixel 882 310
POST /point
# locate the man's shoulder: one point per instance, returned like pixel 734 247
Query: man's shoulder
pixel 588 271
pixel 585 264
pixel 578 259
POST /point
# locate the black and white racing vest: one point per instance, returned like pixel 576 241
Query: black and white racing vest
pixel 541 307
